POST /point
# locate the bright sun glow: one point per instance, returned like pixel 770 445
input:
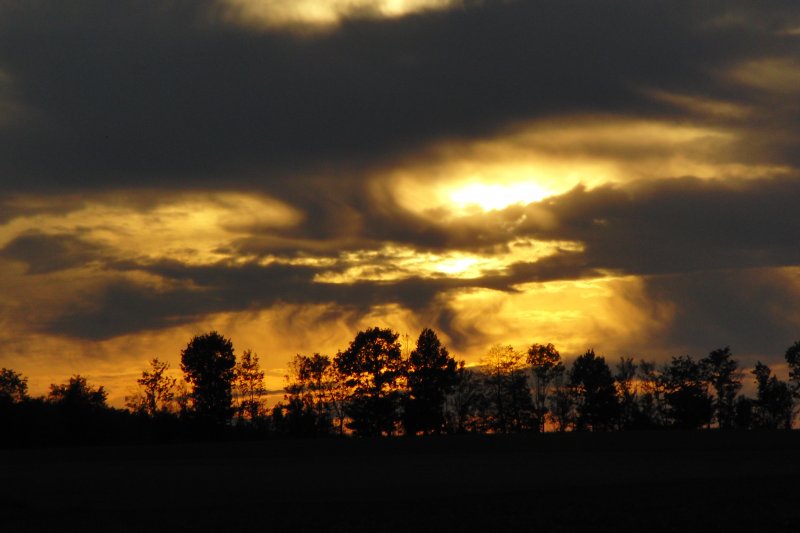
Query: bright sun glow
pixel 544 159
pixel 288 13
pixel 497 196
pixel 393 263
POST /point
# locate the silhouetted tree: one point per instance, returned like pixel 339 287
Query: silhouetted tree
pixel 745 413
pixel 689 406
pixel 207 363
pixel 294 417
pixel 77 395
pixel 793 361
pixel 13 386
pixel 595 393
pixel 332 393
pixel 182 398
pixel 372 368
pixel 157 390
pixel 309 395
pixel 651 400
pixel 76 412
pixel 465 404
pixel 13 401
pixel 545 362
pixel 431 377
pixel 626 389
pixel 507 391
pixel 248 381
pixel 774 405
pixel 561 403
pixel 722 373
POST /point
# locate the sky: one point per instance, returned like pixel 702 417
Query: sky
pixel 609 174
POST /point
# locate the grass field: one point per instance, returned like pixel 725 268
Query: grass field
pixel 659 481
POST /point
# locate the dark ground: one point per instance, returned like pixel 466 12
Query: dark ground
pixel 651 481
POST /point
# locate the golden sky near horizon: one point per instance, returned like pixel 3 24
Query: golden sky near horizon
pixel 289 173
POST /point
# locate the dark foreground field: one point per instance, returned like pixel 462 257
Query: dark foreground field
pixel 707 481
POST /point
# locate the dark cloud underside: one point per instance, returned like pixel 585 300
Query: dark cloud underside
pixel 660 230
pixel 146 91
pixel 753 311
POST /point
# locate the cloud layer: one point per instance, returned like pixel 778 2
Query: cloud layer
pixel 140 91
pixel 164 163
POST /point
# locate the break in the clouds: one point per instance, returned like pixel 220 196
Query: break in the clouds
pixel 610 173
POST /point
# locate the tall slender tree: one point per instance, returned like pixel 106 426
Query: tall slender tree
pixel 724 376
pixel 464 405
pixel 313 405
pixel 507 392
pixel 545 363
pixel 431 377
pixel 562 401
pixel 248 382
pixel 595 393
pixel 774 405
pixel 156 390
pixel 688 403
pixel 651 400
pixel 793 361
pixel 627 392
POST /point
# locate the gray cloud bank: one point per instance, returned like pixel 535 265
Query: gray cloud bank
pixel 132 92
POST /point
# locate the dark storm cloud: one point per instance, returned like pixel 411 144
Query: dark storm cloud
pixel 151 93
pixel 43 253
pixel 124 306
pixel 751 310
pixel 679 225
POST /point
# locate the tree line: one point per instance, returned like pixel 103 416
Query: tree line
pixel 372 388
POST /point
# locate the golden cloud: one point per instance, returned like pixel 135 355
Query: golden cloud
pixel 192 228
pixel 574 315
pixel 394 263
pixel 318 14
pixel 544 158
